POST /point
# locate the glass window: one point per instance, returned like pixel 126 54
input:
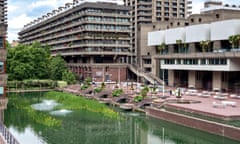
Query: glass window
pixel 1 91
pixel 1 42
pixel 1 67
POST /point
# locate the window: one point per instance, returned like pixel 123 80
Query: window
pixel 1 91
pixel 1 42
pixel 1 67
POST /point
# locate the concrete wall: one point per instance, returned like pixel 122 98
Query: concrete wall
pixel 115 74
pixel 211 127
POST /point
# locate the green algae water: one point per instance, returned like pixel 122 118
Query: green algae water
pixel 31 126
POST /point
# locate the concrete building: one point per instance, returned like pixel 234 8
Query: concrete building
pixel 93 38
pixel 151 11
pixel 199 51
pixel 3 56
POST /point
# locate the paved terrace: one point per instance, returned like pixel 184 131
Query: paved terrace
pixel 210 102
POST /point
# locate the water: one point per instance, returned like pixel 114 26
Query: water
pixel 84 127
pixel 45 105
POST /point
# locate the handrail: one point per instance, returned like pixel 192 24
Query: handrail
pixel 9 138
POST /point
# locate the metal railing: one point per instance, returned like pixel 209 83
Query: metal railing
pixel 9 138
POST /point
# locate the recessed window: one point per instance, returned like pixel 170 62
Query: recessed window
pixel 178 23
pixel 1 91
pixel 171 24
pixel 148 53
pixel 200 20
pixel 192 20
pixel 217 15
pixel 1 67
pixel 1 42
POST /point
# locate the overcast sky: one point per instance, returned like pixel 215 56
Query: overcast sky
pixel 21 12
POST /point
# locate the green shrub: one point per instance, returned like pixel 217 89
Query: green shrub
pixel 98 90
pixel 138 98
pixel 117 92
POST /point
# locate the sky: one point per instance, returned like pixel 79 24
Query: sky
pixel 21 12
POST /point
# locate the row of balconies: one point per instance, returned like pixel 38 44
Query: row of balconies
pixel 76 31
pixel 64 27
pixel 81 53
pixel 216 54
pixel 69 19
pixel 77 45
pixel 73 24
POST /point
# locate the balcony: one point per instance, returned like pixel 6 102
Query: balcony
pixel 221 53
pixel 92 52
pixel 3 54
pixel 3 79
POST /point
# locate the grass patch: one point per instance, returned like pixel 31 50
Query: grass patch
pixel 73 102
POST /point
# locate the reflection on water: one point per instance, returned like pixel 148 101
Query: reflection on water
pixel 61 112
pixel 83 127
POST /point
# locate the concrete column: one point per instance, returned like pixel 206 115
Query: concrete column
pixel 216 45
pixel 170 77
pixel 217 82
pixel 155 66
pixel 192 47
pixel 192 79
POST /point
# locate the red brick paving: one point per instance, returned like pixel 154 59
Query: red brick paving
pixel 1 140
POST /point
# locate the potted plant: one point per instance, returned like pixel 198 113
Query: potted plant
pixel 161 47
pixel 205 45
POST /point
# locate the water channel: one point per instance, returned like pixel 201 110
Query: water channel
pixel 84 127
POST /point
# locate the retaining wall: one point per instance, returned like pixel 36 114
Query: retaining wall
pixel 211 127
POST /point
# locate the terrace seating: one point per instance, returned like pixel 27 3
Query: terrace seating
pixel 229 103
pixel 219 97
pixel 218 105
pixel 234 96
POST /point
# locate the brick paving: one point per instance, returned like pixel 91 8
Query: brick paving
pixel 205 106
pixel 1 140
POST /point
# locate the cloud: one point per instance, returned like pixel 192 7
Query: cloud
pixel 19 21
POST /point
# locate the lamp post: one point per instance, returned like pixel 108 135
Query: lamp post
pixel 163 83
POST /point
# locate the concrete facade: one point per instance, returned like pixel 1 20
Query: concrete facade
pixel 89 36
pixel 3 52
pixel 213 67
pixel 151 11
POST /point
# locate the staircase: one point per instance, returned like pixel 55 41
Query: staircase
pixel 146 75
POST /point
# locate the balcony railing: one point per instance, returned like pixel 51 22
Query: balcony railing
pixel 105 52
pixel 219 53
pixel 9 138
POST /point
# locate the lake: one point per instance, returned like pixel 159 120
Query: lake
pixel 85 127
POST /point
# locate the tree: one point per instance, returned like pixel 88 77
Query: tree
pixel 57 67
pixel 69 77
pixel 28 62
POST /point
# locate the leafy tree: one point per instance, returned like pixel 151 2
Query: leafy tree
pixel 69 77
pixel 57 67
pixel 28 62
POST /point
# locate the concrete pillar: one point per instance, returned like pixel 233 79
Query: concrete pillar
pixel 170 77
pixel 155 66
pixel 192 79
pixel 216 45
pixel 192 47
pixel 217 82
